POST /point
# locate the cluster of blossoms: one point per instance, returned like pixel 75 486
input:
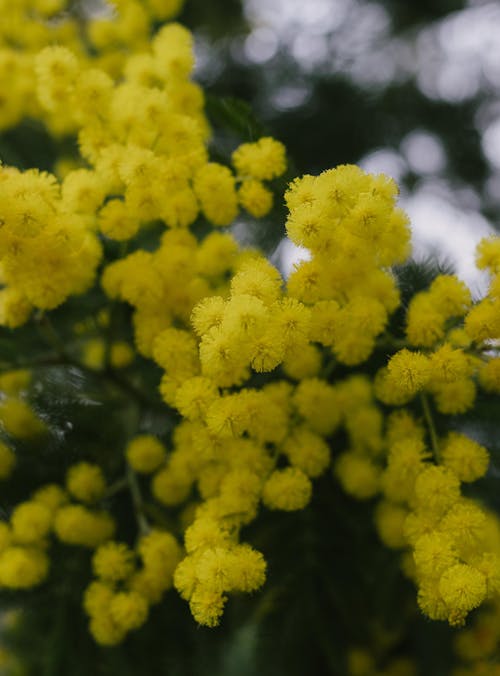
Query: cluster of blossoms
pixel 248 359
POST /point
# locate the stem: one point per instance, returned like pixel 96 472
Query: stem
pixel 329 368
pixel 116 487
pixel 430 425
pixel 135 492
pixel 50 335
pixel 388 342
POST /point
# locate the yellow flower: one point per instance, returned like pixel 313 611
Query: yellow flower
pixel 462 588
pixel 287 489
pixel 129 610
pixel 255 198
pixel 145 453
pixel 112 561
pixel 465 457
pixel 31 522
pixel 265 159
pixel 85 482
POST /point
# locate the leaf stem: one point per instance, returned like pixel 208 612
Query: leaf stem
pixel 430 425
pixel 137 501
pixel 116 487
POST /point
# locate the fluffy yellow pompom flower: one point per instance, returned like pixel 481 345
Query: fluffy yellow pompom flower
pixel 214 186
pixel 215 255
pixel 15 308
pixel 14 382
pixel 489 375
pixel 93 353
pixel 207 606
pixel 176 350
pixel 160 552
pixel 307 451
pixel 358 475
pixel 85 482
pixel 77 525
pixel 19 420
pixel 185 578
pixel 129 610
pixel 450 295
pixel 462 588
pixel 97 597
pixel 483 320
pixel 436 489
pixel 302 361
pixel 247 569
pixel 51 495
pixel 431 602
pixel 259 278
pixel 31 522
pixel 7 460
pixel 255 198
pixel 408 371
pixel 406 461
pixel 425 324
pixel 317 403
pixel 204 533
pixel 121 354
pixel 488 254
pixel 113 561
pixel 434 552
pixel 465 457
pixel 465 524
pixel 56 69
pixel 194 397
pixel 82 191
pixel 448 364
pixel 401 425
pixel 287 489
pixel 454 398
pixel 213 569
pixel 104 630
pixel 207 314
pixel 173 49
pixel 390 519
pixel 171 485
pixel 265 159
pixel 22 567
pixel 116 222
pixel 145 453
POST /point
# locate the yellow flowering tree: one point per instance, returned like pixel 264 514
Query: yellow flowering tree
pixel 208 468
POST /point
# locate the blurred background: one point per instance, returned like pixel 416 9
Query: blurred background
pixel 408 88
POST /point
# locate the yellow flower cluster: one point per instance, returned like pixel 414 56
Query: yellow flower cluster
pixel 118 37
pixel 118 601
pixel 248 360
pixel 24 540
pixel 349 222
pixel 143 133
pixel 454 542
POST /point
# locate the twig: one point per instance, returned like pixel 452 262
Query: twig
pixel 430 425
pixel 135 492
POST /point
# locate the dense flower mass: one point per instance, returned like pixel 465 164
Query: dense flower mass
pixel 267 384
